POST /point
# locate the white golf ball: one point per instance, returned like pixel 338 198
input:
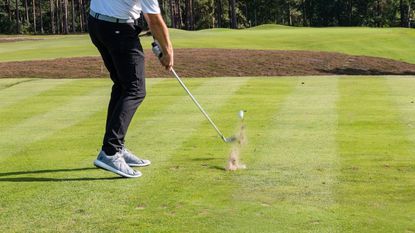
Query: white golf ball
pixel 241 114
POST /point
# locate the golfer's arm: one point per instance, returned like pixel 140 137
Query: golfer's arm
pixel 160 31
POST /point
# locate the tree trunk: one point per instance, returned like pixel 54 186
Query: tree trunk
pixel 172 15
pixel 65 17
pixel 189 14
pixel 232 14
pixel 163 10
pixel 378 13
pixel 247 15
pixel 58 17
pixel 17 17
pixel 402 9
pixel 26 11
pixel 52 16
pixel 192 18
pixel 310 12
pixel 9 9
pixel 289 16
pixel 179 19
pixel 219 13
pixel 255 13
pixel 34 16
pixel 405 13
pixel 73 16
pixel 350 12
pixel 41 17
pixel 84 13
pixel 304 13
pixel 81 26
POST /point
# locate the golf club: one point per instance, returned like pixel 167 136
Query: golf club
pixel 157 51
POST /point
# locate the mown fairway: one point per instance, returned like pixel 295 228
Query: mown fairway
pixel 330 155
pixel 395 43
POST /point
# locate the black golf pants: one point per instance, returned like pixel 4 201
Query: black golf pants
pixel 123 57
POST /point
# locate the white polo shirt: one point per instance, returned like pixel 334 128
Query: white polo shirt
pixel 125 9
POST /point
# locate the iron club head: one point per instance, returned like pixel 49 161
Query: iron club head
pixel 229 139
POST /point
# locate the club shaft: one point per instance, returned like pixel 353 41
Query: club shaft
pixel 197 104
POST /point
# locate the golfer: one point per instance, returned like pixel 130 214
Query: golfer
pixel 113 29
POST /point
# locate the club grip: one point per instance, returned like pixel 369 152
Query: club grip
pixel 156 49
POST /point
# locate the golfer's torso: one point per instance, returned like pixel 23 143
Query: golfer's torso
pixel 121 9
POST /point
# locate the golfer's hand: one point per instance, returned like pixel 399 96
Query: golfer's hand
pixel 167 60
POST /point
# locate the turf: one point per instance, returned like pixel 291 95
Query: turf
pixel 330 155
pixel 394 43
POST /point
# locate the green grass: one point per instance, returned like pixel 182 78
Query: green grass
pixel 394 43
pixel 332 155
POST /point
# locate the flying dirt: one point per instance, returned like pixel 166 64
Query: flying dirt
pixel 234 162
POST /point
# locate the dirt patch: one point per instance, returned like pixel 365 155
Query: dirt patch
pixel 220 63
pixel 16 39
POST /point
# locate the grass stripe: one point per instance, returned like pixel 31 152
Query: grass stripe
pixel 103 190
pixel 170 174
pixel 180 118
pixel 377 160
pixel 41 126
pixel 26 90
pixel 403 97
pixel 81 139
pixel 195 187
pixel 51 186
pixel 85 140
pixel 292 167
pixel 44 101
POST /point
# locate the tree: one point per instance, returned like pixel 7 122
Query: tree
pixel 52 16
pixel 172 16
pixel 232 14
pixel 405 11
pixel 58 16
pixel 42 31
pixel 9 10
pixel 178 14
pixel 17 17
pixel 34 16
pixel 65 17
pixel 189 15
pixel 26 10
pixel 219 13
pixel 73 16
pixel 81 15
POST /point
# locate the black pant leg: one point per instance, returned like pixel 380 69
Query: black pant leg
pixel 125 60
pixel 95 26
pixel 130 67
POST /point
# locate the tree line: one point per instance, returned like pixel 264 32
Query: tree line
pixel 70 16
pixel 43 16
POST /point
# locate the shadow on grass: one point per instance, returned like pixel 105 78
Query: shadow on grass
pixel 46 179
pixel 203 159
pixel 217 168
pixel 362 71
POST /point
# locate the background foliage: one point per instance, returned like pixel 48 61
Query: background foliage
pixel 70 16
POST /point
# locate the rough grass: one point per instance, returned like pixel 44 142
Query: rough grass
pixel 329 155
pixel 394 43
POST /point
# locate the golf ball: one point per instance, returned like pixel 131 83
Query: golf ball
pixel 241 114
